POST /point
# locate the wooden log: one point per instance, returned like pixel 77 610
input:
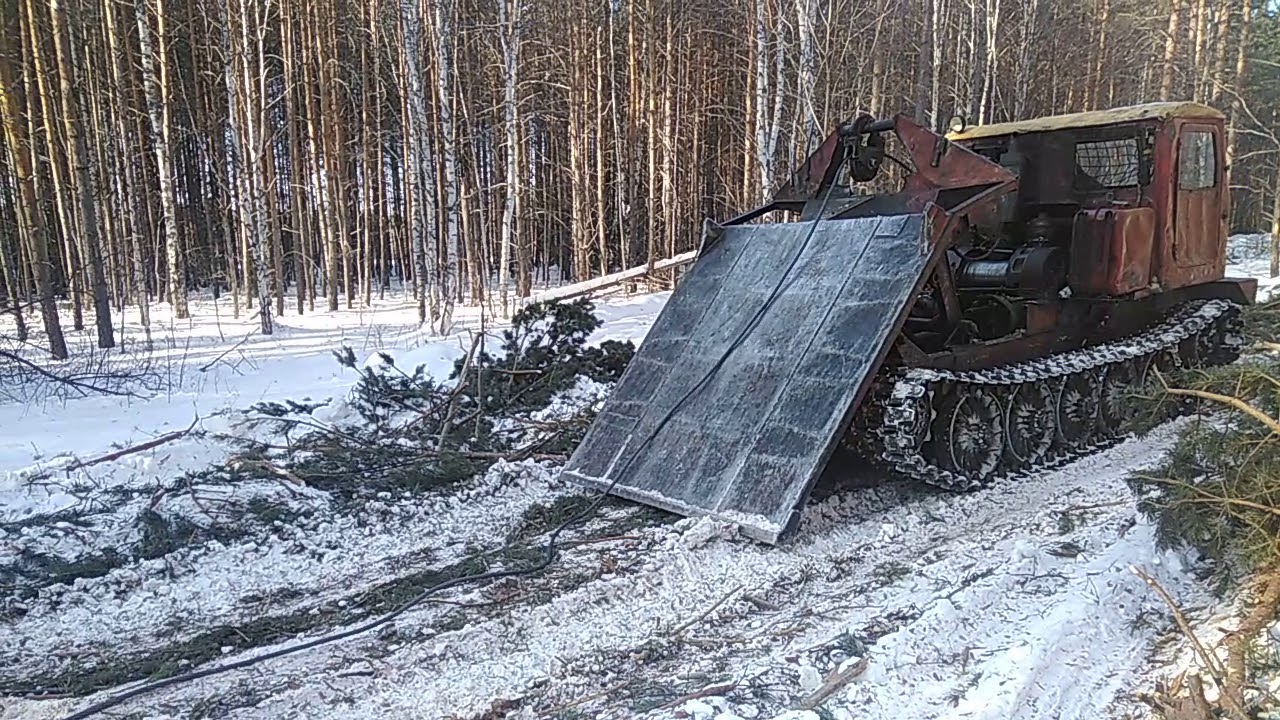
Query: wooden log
pixel 588 287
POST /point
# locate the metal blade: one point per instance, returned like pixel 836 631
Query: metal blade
pixel 754 433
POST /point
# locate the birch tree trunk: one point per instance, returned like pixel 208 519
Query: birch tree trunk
pixel 923 56
pixel 245 122
pixel 155 82
pixel 1199 61
pixel 1104 21
pixel 509 12
pixel 806 19
pixel 769 97
pixel 444 42
pixel 1030 32
pixel 935 69
pixel 992 59
pixel 417 165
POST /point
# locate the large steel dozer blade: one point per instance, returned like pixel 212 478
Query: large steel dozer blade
pixel 763 407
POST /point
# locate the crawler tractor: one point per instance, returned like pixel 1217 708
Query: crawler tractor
pixel 985 318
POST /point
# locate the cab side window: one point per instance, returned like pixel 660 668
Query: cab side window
pixel 1106 164
pixel 1197 160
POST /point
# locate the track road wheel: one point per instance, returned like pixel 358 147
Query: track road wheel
pixel 1077 409
pixel 1028 424
pixel 1223 341
pixel 1191 351
pixel 967 434
pixel 1116 404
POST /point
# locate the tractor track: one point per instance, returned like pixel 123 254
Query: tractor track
pixel 1196 334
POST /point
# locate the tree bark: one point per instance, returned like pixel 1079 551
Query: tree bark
pixel 417 168
pixel 509 18
pixel 73 117
pixel 1170 50
pixel 444 42
pixel 1242 59
pixel 1275 222
pixel 156 83
pixel 31 221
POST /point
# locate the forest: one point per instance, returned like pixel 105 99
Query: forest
pixel 302 156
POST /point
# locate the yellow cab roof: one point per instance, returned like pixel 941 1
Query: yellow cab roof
pixel 1092 118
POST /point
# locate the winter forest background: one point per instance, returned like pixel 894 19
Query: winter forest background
pixel 306 155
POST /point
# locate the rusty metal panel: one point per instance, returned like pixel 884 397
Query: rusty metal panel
pixel 767 384
pixel 1111 251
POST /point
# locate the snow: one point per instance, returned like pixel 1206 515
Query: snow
pixel 1249 255
pixel 1017 601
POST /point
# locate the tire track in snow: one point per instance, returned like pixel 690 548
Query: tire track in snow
pixel 922 577
pixel 330 559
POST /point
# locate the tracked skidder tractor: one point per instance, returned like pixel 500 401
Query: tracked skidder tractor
pixel 983 319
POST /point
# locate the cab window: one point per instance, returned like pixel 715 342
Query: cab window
pixel 1197 160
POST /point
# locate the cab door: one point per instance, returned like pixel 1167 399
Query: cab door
pixel 1197 199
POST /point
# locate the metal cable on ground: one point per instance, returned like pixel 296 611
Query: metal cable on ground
pixel 550 547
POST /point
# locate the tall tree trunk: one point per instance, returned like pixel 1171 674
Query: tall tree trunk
pixel 73 116
pixel 444 43
pixel 156 83
pixel 992 59
pixel 1242 57
pixel 29 217
pixel 1030 33
pixel 923 58
pixel 1222 36
pixel 1170 50
pixel 129 182
pixel 935 71
pixel 297 174
pixel 1100 62
pixel 246 122
pixel 1275 222
pixel 806 19
pixel 601 225
pixel 509 18
pixel 768 109
pixel 40 93
pixel 417 163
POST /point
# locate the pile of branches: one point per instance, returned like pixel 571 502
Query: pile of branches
pixel 415 432
pixel 26 377
pixel 1218 491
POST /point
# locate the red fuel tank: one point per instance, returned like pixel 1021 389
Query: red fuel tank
pixel 1111 251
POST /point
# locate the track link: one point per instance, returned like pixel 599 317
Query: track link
pixel 905 409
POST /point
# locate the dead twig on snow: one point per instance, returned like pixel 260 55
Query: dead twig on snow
pixel 835 680
pixel 1207 659
pixel 116 455
pixel 680 630
pixel 708 691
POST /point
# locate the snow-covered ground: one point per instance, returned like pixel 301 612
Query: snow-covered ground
pixel 1019 600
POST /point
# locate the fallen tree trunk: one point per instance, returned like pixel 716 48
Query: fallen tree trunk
pixel 587 287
